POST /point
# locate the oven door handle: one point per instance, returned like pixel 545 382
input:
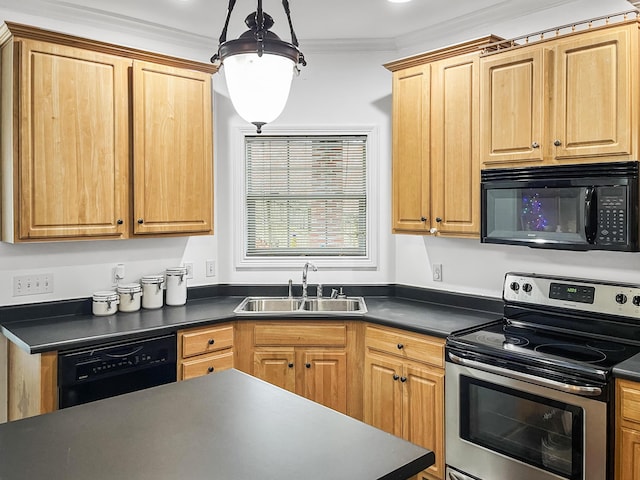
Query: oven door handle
pixel 525 377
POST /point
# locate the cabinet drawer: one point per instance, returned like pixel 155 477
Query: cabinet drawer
pixel 408 346
pixel 309 335
pixel 206 339
pixel 207 364
pixel 629 401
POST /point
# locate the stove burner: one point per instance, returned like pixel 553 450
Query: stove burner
pixel 574 352
pixel 606 346
pixel 500 339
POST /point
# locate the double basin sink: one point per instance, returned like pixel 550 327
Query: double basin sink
pixel 255 306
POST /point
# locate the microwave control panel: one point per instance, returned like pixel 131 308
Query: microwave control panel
pixel 612 215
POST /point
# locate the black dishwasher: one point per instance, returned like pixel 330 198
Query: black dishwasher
pixel 89 374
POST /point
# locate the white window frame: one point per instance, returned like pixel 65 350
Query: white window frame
pixel 239 245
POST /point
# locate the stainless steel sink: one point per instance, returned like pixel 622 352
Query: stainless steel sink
pixel 257 306
pixel 334 304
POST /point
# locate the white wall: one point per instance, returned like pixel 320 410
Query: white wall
pixel 339 89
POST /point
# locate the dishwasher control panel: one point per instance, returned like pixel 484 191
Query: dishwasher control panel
pixel 93 363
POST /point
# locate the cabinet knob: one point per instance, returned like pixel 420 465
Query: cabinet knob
pixel 438 219
pixel 535 145
pixel 400 346
pixel 557 143
pixel 308 365
pixel 290 365
pixel 210 370
pixel 211 341
pixel 119 221
pixel 423 219
pixel 433 231
pixel 403 379
pixel 140 221
pixel 396 376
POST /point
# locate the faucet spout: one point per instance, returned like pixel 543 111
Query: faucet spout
pixel 304 277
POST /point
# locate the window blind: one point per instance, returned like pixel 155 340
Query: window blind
pixel 306 195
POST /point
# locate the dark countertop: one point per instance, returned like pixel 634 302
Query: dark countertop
pixel 629 369
pixel 227 426
pixel 72 331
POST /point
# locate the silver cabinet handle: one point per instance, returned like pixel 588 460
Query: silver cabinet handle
pixel 525 377
pixel 535 145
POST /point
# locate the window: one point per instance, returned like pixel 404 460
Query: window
pixel 306 195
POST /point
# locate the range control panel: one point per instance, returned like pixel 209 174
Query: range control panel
pixel 576 294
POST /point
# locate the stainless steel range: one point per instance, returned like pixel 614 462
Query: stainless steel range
pixel 530 397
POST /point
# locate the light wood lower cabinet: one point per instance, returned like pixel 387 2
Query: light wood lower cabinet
pixel 627 430
pixel 317 360
pixel 404 389
pixel 204 350
pixel 30 382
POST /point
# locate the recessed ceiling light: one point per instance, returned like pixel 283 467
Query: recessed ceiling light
pixel 398 1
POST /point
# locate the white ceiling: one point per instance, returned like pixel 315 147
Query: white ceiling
pixel 314 19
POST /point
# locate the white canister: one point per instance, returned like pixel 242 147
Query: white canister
pixel 105 303
pixel 130 295
pixel 152 291
pixel 177 286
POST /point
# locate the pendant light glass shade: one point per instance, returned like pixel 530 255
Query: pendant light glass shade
pixel 259 66
pixel 258 86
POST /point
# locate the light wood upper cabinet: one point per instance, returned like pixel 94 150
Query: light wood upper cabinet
pixel 592 94
pixel 511 107
pixel 96 137
pixel 172 167
pixel 455 169
pixel 411 173
pixel 69 121
pixel 565 100
pixel 436 170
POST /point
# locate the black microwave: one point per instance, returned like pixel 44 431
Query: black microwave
pixel 591 206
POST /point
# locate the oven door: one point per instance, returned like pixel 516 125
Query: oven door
pixel 503 428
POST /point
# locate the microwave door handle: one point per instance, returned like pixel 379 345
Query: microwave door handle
pixel 590 214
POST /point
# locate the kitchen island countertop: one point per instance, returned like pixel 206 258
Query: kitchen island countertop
pixel 227 426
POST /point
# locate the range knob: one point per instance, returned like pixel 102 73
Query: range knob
pixel 636 300
pixel 527 287
pixel 515 286
pixel 621 298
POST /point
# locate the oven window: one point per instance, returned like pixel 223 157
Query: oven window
pixel 552 214
pixel 535 430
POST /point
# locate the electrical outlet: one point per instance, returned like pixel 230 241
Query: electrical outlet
pixel 189 267
pixel 437 272
pixel 211 268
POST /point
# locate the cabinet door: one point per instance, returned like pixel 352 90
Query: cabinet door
pixel 423 411
pixel 511 107
pixel 628 461
pixel 411 150
pixel 73 157
pixel 383 393
pixel 455 171
pixel 276 366
pixel 172 157
pixel 593 95
pixel 325 378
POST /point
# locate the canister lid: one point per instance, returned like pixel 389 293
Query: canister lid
pixel 129 288
pixel 105 296
pixel 177 271
pixel 152 279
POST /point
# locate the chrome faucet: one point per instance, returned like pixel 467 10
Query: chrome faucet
pixel 304 278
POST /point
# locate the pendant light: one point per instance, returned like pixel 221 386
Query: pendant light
pixel 259 66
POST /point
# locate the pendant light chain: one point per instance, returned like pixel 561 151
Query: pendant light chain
pixel 285 5
pixel 223 35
